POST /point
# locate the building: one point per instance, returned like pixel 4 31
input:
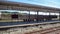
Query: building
pixel 28 12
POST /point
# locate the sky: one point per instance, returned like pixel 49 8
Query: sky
pixel 49 3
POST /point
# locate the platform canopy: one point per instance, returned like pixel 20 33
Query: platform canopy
pixel 4 5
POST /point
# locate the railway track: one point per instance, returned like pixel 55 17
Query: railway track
pixel 45 31
pixel 41 29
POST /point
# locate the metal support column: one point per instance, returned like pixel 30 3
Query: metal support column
pixel 29 16
pixel 37 16
pixel 59 15
pixel 49 16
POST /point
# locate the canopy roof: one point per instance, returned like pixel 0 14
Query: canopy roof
pixel 25 6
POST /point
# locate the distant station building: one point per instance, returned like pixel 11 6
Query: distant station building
pixel 27 12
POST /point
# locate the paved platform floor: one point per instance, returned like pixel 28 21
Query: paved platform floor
pixel 19 23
